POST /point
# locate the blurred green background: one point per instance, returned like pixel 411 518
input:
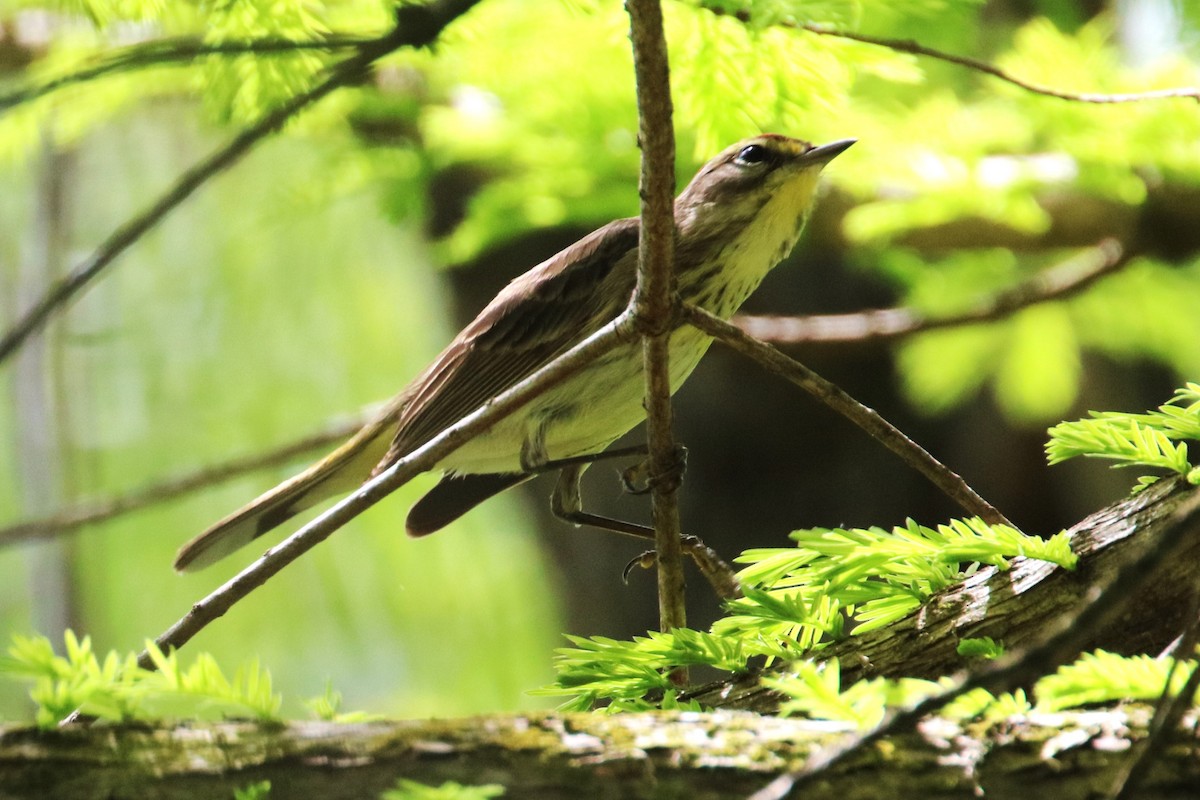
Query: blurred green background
pixel 321 273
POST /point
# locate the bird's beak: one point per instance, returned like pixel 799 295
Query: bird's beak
pixel 822 154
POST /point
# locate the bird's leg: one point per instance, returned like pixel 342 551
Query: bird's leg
pixel 533 450
pixel 567 504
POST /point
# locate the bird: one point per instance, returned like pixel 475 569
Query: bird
pixel 740 215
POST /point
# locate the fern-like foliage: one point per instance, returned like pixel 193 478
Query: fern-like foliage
pixel 1156 439
pixel 984 647
pixel 1093 678
pixel 816 691
pixel 1099 677
pixel 328 707
pixel 625 675
pixel 872 576
pixel 981 704
pixel 795 601
pixel 116 689
pixel 241 87
pixel 1103 677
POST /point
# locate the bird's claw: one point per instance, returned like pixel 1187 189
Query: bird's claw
pixel 644 560
pixel 638 480
pixel 648 559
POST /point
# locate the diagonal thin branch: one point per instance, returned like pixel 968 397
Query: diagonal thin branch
pixel 131 231
pixel 420 460
pixel 918 49
pixel 416 26
pixel 104 509
pixel 979 65
pixel 869 420
pixel 1057 283
pixel 179 51
pixel 653 300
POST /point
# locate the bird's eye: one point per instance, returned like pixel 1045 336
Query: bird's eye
pixel 752 154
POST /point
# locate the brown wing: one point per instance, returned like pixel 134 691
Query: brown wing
pixel 537 317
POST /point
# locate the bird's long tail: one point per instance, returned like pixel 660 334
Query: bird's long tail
pixel 338 473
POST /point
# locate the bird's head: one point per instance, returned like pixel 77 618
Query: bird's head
pixel 735 185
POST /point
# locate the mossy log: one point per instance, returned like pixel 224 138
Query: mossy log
pixel 720 754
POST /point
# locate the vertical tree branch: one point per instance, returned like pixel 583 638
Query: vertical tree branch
pixel 655 296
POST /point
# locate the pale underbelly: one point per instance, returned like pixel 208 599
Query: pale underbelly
pixel 583 415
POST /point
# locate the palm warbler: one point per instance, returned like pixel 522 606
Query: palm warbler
pixel 738 218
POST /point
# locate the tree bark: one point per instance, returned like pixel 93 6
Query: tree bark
pixel 714 755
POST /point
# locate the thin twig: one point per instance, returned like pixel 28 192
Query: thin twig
pixel 653 299
pixel 420 460
pixel 105 509
pixel 1057 283
pixel 179 51
pixel 191 180
pixel 918 49
pixel 869 420
pixel 1064 638
pixel 416 26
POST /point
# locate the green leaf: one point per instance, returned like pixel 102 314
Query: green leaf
pixel 984 647
pixel 1102 677
pixel 1150 440
pixel 815 691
